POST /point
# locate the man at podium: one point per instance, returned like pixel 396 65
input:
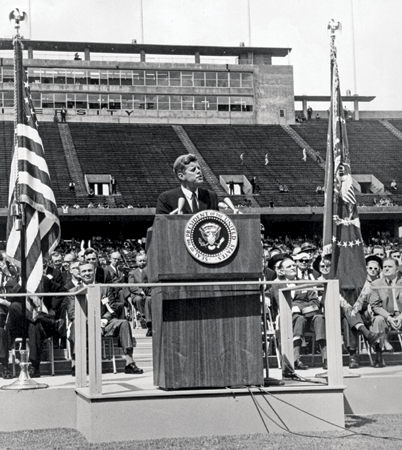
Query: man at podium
pixel 190 197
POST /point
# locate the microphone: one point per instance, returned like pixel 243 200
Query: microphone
pixel 231 205
pixel 180 205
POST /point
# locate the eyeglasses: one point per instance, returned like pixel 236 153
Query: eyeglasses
pixel 305 261
pixel 373 268
pixel 325 266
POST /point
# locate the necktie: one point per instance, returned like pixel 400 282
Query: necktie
pixel 194 204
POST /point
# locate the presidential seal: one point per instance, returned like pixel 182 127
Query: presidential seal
pixel 210 236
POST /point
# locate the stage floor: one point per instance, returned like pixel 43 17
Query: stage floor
pixel 120 383
pixel 218 411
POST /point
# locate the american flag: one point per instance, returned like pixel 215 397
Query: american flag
pixel 30 191
pixel 342 233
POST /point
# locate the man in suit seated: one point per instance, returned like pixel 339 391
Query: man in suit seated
pixel 187 169
pixel 306 311
pixel 142 295
pixel 44 323
pixel 118 276
pixel 386 305
pixel 111 325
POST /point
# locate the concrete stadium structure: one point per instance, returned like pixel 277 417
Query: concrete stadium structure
pixel 192 98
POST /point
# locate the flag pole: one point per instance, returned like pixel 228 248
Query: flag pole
pixel 17 210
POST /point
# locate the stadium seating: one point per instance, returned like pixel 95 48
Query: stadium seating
pixel 221 147
pixel 141 157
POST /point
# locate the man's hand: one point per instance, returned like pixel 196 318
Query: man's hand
pixel 397 322
pixel 394 322
pixel 104 323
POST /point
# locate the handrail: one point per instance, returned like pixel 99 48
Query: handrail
pixel 93 316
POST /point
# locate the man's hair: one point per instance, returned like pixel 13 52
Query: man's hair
pixel 378 246
pixel 182 161
pixel 89 251
pixel 140 254
pixel 56 254
pixel 388 258
pixel 84 263
pixel 286 258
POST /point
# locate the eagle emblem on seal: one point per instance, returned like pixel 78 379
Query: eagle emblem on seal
pixel 210 233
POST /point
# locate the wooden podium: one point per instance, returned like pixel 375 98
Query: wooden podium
pixel 205 336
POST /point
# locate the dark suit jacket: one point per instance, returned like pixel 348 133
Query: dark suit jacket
pixel 113 275
pixel 102 276
pixel 54 275
pixel 168 201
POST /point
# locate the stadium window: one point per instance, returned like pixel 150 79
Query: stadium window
pixel 60 76
pixel 93 77
pixel 248 104
pixel 281 113
pixel 59 100
pixel 138 78
pixel 81 101
pixel 104 104
pixel 234 80
pixel 247 80
pixel 150 78
pixel 114 77
pixel 236 104
pixel 48 100
pixel 187 79
pixel 223 103
pixel 163 78
pixel 127 101
pixel 175 102
pixel 93 101
pixel 151 101
pixel 199 79
pixel 211 103
pixel 139 101
pixel 103 77
pixel 187 102
pixel 163 102
pixel 8 75
pixel 71 101
pixel 8 99
pixel 174 78
pixel 36 96
pixel 34 75
pixel 70 76
pixel 210 79
pixel 126 77
pixel 114 101
pixel 80 76
pixel 223 79
pixel 47 76
pixel 199 103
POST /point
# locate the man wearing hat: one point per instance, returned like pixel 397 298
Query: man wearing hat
pixel 374 267
pixel 303 261
pixel 359 320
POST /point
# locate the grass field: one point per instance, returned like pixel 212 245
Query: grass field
pixel 356 436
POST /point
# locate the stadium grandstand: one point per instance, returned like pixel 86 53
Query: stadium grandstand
pixel 133 108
